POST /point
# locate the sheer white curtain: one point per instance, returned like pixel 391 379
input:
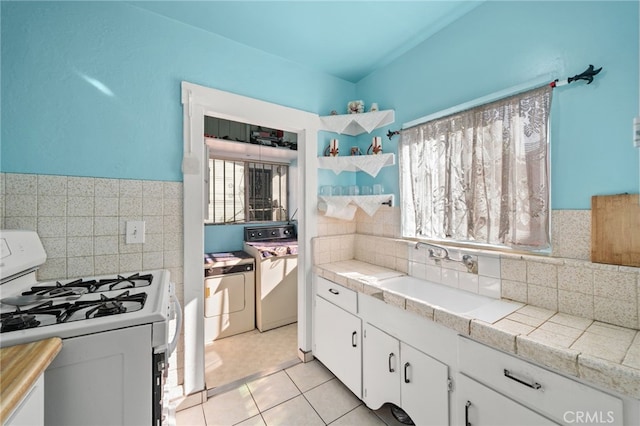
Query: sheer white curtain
pixel 481 175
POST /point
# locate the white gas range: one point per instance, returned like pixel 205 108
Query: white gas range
pixel 115 331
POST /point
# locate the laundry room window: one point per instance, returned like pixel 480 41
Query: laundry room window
pixel 247 191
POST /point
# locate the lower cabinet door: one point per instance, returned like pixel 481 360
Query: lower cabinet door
pixel 480 405
pixel 30 411
pixel 380 368
pixel 102 379
pixel 424 390
pixel 337 343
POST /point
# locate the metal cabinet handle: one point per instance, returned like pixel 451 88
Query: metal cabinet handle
pixel 334 291
pixel 466 413
pixel 533 385
pixel 391 369
pixel 353 339
pixel 406 374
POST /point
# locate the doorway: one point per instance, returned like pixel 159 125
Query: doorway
pixel 248 356
pixel 198 102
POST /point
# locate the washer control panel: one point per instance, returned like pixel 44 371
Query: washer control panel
pixel 269 233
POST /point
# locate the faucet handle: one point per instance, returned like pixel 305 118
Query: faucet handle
pixel 470 263
pixel 442 256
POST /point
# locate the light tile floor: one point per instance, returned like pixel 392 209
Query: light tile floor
pixel 304 394
pixel 237 357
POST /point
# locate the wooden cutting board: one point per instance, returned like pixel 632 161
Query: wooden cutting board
pixel 615 229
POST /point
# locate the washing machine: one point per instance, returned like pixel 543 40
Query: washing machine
pixel 229 294
pixel 275 249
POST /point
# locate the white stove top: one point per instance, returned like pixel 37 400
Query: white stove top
pixel 156 309
pixel 54 315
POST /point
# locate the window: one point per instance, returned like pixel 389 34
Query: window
pixel 481 175
pixel 243 191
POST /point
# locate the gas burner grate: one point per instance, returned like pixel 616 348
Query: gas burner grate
pixel 105 306
pixel 19 321
pixel 91 286
pixel 59 289
pixel 29 318
pixel 134 281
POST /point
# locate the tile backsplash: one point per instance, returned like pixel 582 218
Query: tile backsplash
pixel 565 282
pixel 81 222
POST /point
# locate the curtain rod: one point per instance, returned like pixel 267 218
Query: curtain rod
pixel 587 75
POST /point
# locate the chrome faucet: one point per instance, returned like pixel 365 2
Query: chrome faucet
pixel 467 259
pixel 432 254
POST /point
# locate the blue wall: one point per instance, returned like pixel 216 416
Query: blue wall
pixel 93 88
pixel 504 44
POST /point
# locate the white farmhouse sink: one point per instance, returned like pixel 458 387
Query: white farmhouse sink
pixel 451 299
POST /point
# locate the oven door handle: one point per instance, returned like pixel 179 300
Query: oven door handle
pixel 177 309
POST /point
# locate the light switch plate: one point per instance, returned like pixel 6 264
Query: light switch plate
pixel 135 232
pixel 636 132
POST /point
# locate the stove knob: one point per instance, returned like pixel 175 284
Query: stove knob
pixel 273 232
pixel 259 234
pixel 286 232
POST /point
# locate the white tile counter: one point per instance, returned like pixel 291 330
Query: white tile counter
pixel 603 354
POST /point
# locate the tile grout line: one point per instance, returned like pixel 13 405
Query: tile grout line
pixel 204 417
pixel 314 408
pixel 256 403
pixel 280 403
pixel 353 409
pixel 319 384
pixel 315 387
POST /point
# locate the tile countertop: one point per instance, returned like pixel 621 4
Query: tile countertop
pixel 603 354
pixel 20 368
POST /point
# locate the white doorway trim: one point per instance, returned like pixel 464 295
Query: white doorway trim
pixel 197 102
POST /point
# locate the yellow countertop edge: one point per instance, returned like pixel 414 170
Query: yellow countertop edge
pixel 20 368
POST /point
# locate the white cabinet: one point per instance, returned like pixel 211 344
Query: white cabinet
pixel 337 341
pixel 528 387
pixel 380 368
pixel 424 387
pixel 105 378
pixel 337 294
pixel 408 361
pixel 30 411
pixel 396 372
pixel 481 406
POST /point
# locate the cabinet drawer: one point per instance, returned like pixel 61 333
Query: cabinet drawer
pixel 335 293
pixel 482 406
pixel 544 391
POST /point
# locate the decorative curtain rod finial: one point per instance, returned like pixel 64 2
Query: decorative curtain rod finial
pixel 587 75
pixel 391 134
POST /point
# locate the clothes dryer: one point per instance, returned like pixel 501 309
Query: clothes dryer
pixel 229 294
